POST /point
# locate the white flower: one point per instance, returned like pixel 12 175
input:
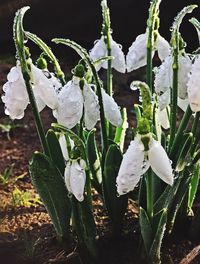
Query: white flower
pixel 16 96
pixel 137 54
pixel 133 166
pixel 111 109
pixel 43 87
pixel 71 101
pixel 193 86
pixel 75 178
pixel 100 50
pixel 136 162
pixel 164 75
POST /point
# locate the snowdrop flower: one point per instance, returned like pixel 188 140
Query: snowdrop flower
pixel 100 50
pixel 75 178
pixel 16 96
pixel 111 109
pixel 136 161
pixel 164 81
pixel 72 100
pixel 137 54
pixel 164 75
pixel 193 86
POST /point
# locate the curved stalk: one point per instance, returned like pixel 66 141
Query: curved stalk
pixel 18 33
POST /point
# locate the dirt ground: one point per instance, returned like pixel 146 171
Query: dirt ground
pixel 26 232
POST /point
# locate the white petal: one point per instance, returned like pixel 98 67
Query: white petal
pixel 183 104
pixel 163 76
pixel 78 179
pixel 194 86
pixel 43 87
pixel 163 118
pixel 118 63
pixel 185 65
pixel 98 51
pixel 132 167
pixel 67 175
pixel 163 47
pixel 16 96
pixel 137 54
pixel 111 109
pixel 63 145
pixel 70 105
pixel 164 100
pixel 160 162
pixel 91 107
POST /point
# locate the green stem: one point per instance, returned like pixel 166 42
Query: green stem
pixel 174 93
pixel 20 48
pixel 149 186
pixel 182 126
pixel 109 79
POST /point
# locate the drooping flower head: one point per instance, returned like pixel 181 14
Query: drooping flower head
pixel 75 101
pixel 16 96
pixel 137 54
pixel 100 50
pixel 75 178
pixel 137 160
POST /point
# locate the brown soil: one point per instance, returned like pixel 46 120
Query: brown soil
pixel 26 232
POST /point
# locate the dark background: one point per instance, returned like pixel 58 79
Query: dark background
pixel 80 20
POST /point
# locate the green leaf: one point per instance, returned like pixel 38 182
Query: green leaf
pixel 178 199
pixel 55 151
pixel 94 161
pixel 50 185
pixel 194 185
pixel 116 206
pixel 146 230
pixel 183 155
pixel 154 252
pixel 83 221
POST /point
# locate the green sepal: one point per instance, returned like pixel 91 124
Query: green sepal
pixel 55 151
pixel 50 185
pixel 115 205
pixel 94 161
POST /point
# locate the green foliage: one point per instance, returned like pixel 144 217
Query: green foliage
pixel 116 206
pixel 24 198
pixel 94 161
pixel 50 185
pixel 5 176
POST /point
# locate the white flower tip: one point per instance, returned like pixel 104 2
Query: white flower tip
pixel 80 198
